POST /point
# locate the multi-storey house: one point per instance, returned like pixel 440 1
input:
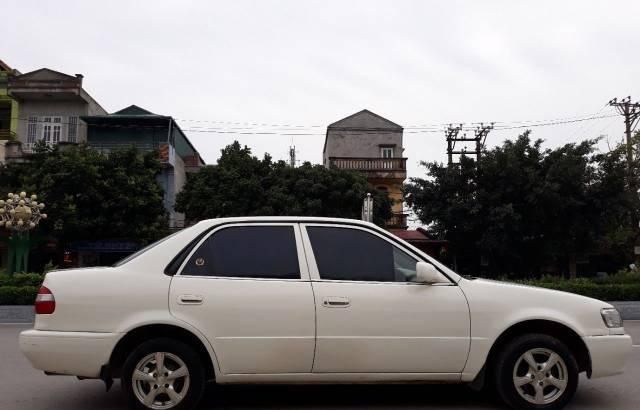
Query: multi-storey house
pixel 135 126
pixel 51 104
pixel 371 144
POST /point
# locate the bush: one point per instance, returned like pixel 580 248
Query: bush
pixel 18 295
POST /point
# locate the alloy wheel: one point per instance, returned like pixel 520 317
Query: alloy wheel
pixel 160 380
pixel 540 376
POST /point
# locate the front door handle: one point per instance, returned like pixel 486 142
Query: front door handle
pixel 190 300
pixel 336 302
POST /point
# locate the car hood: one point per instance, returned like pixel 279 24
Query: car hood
pixel 511 302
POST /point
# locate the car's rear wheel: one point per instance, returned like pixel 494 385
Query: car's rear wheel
pixel 163 374
pixel 536 371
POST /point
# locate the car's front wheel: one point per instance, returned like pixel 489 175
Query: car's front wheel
pixel 163 374
pixel 536 371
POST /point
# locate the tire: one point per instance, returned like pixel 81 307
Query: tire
pixel 179 388
pixel 523 386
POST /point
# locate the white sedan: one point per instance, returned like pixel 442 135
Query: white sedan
pixel 312 300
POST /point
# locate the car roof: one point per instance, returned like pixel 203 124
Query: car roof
pixel 294 219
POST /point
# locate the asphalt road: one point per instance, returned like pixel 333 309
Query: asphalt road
pixel 22 387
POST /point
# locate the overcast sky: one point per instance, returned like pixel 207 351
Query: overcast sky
pixel 310 63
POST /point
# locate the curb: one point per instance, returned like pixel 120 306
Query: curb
pixel 628 310
pixel 17 314
pixel 26 314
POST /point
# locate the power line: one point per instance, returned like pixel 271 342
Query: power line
pixel 553 123
pixel 300 132
pixel 473 124
pixel 587 126
pixel 249 123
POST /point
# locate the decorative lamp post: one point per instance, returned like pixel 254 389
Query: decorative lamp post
pixel 19 214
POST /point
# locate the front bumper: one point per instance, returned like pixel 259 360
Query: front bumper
pixel 72 353
pixel 608 354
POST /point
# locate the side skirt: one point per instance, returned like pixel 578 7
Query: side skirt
pixel 337 378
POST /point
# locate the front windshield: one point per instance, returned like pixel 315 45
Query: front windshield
pixel 141 251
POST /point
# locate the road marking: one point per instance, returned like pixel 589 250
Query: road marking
pixel 635 345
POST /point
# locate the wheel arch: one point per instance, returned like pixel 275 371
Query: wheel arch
pixel 135 336
pixel 548 327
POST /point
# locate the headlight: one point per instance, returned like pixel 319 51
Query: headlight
pixel 611 317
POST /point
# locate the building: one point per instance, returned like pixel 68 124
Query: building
pixel 371 144
pixel 135 126
pixel 8 109
pixel 51 104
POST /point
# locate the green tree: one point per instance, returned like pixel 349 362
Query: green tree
pixel 241 184
pixel 91 196
pixel 524 208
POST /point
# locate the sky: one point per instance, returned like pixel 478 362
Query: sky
pixel 227 70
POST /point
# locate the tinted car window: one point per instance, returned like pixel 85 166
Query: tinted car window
pixel 247 251
pixel 404 266
pixel 352 254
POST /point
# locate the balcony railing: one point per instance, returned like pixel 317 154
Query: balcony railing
pixel 166 152
pixel 106 147
pixel 397 221
pixel 7 135
pixel 369 164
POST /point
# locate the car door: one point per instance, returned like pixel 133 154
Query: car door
pixel 246 287
pixel 371 317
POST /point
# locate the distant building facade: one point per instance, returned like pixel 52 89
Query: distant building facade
pixel 8 109
pixel 135 126
pixel 51 104
pixel 368 143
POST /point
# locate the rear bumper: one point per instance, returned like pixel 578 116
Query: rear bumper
pixel 608 354
pixel 73 353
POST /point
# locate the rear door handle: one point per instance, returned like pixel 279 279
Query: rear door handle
pixel 190 300
pixel 336 302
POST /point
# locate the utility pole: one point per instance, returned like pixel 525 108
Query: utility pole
pixel 367 208
pixel 292 156
pixel 631 113
pixel 451 133
pixel 479 138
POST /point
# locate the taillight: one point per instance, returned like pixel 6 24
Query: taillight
pixel 45 302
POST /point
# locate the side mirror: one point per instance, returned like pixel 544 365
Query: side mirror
pixel 427 273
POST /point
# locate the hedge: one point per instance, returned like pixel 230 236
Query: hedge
pixel 621 286
pixel 21 279
pixel 18 295
pixel 612 292
pixel 20 288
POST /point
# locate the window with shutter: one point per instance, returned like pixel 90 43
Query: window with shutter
pixel 32 130
pixel 72 132
pixel 57 130
pixel 51 129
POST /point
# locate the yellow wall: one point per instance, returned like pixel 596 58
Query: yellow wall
pixel 394 189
